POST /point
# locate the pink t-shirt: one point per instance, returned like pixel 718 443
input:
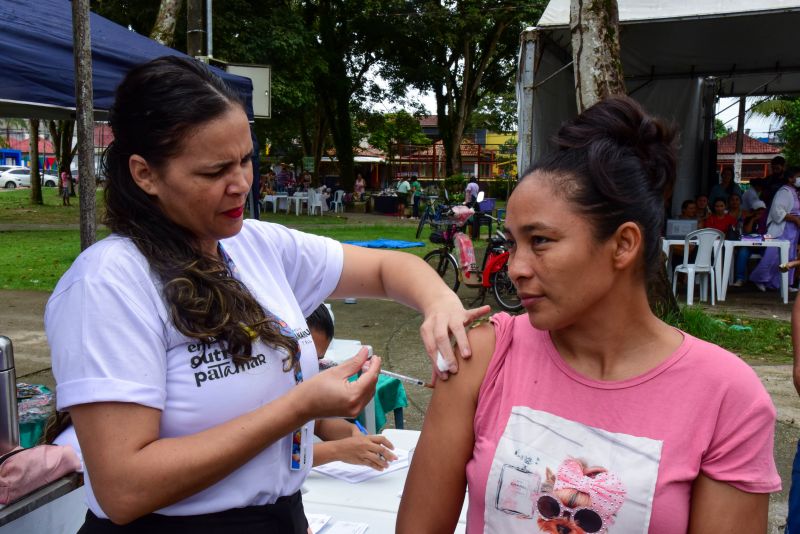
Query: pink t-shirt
pixel 552 446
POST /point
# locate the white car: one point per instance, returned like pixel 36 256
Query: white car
pixel 21 176
pixel 12 179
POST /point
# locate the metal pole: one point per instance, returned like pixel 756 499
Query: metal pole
pixel 209 44
pixel 194 28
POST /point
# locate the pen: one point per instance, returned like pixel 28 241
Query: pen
pixel 360 427
pixel 404 378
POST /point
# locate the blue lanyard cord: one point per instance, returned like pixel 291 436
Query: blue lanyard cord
pixel 283 326
pixel 297 452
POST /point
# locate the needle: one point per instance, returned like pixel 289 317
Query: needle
pixel 404 378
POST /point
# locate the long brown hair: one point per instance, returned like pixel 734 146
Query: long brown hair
pixel 157 106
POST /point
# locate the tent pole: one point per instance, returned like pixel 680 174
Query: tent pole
pixel 709 96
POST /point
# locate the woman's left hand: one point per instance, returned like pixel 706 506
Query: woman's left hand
pixel 445 320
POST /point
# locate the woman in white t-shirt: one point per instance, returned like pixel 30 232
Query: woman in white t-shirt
pixel 179 343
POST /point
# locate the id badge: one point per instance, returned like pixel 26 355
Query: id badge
pixel 299 452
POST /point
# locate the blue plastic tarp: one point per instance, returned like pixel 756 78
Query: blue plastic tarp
pixel 386 243
pixel 37 63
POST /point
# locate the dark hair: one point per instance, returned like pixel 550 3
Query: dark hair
pixel 686 203
pixel 473 179
pixel 737 195
pixel 779 160
pixel 320 319
pixel 157 107
pixel 616 164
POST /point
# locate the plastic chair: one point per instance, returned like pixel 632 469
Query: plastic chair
pixel 709 250
pixel 338 201
pixel 315 200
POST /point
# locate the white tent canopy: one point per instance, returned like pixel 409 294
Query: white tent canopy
pixel 667 48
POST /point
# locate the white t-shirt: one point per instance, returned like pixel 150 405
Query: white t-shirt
pixel 112 340
pixel 471 192
pixel 748 198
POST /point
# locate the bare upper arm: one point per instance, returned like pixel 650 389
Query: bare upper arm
pixel 110 432
pixel 434 491
pixel 720 508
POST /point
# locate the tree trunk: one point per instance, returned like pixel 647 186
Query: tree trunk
pixel 84 106
pixel 318 141
pixel 595 50
pixel 164 28
pixel 598 74
pixel 36 182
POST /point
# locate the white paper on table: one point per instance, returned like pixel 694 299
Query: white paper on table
pixel 359 473
pixel 345 527
pixel 316 522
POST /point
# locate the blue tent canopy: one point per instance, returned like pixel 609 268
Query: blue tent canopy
pixel 37 63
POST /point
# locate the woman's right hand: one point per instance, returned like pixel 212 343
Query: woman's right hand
pixel 330 394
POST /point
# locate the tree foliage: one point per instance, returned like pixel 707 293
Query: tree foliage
pixel 462 51
pixel 720 130
pixel 791 132
pixel 386 130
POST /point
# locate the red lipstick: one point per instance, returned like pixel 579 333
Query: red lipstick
pixel 235 213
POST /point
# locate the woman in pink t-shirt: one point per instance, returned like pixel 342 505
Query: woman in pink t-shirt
pixel 588 413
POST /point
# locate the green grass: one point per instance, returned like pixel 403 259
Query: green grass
pixel 16 208
pixel 36 259
pixel 759 341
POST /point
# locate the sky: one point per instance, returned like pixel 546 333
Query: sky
pixel 759 126
pixel 727 111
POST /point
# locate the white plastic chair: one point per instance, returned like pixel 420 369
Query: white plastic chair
pixel 709 251
pixel 338 201
pixel 315 200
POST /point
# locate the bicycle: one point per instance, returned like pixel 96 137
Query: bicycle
pixel 433 212
pixel 492 274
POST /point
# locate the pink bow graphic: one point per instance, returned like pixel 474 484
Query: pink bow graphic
pixel 604 489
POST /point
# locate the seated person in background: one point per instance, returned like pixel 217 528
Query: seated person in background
pixel 342 440
pixel 719 219
pixel 688 209
pixel 702 208
pixel 735 207
pixel 751 224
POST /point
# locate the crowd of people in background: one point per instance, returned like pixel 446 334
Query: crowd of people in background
pixel 769 207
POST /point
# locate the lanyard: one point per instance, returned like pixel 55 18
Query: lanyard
pixel 298 456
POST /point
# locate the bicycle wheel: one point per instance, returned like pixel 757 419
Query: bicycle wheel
pixel 504 291
pixel 423 220
pixel 445 266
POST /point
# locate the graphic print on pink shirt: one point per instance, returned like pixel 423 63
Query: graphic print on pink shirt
pixel 599 481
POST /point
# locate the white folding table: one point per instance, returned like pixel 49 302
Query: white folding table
pixel 277 200
pixel 730 248
pixel 374 501
pixel 297 199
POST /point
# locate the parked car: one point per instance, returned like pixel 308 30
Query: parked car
pixel 50 178
pixel 15 177
pixel 10 181
pixel 23 174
